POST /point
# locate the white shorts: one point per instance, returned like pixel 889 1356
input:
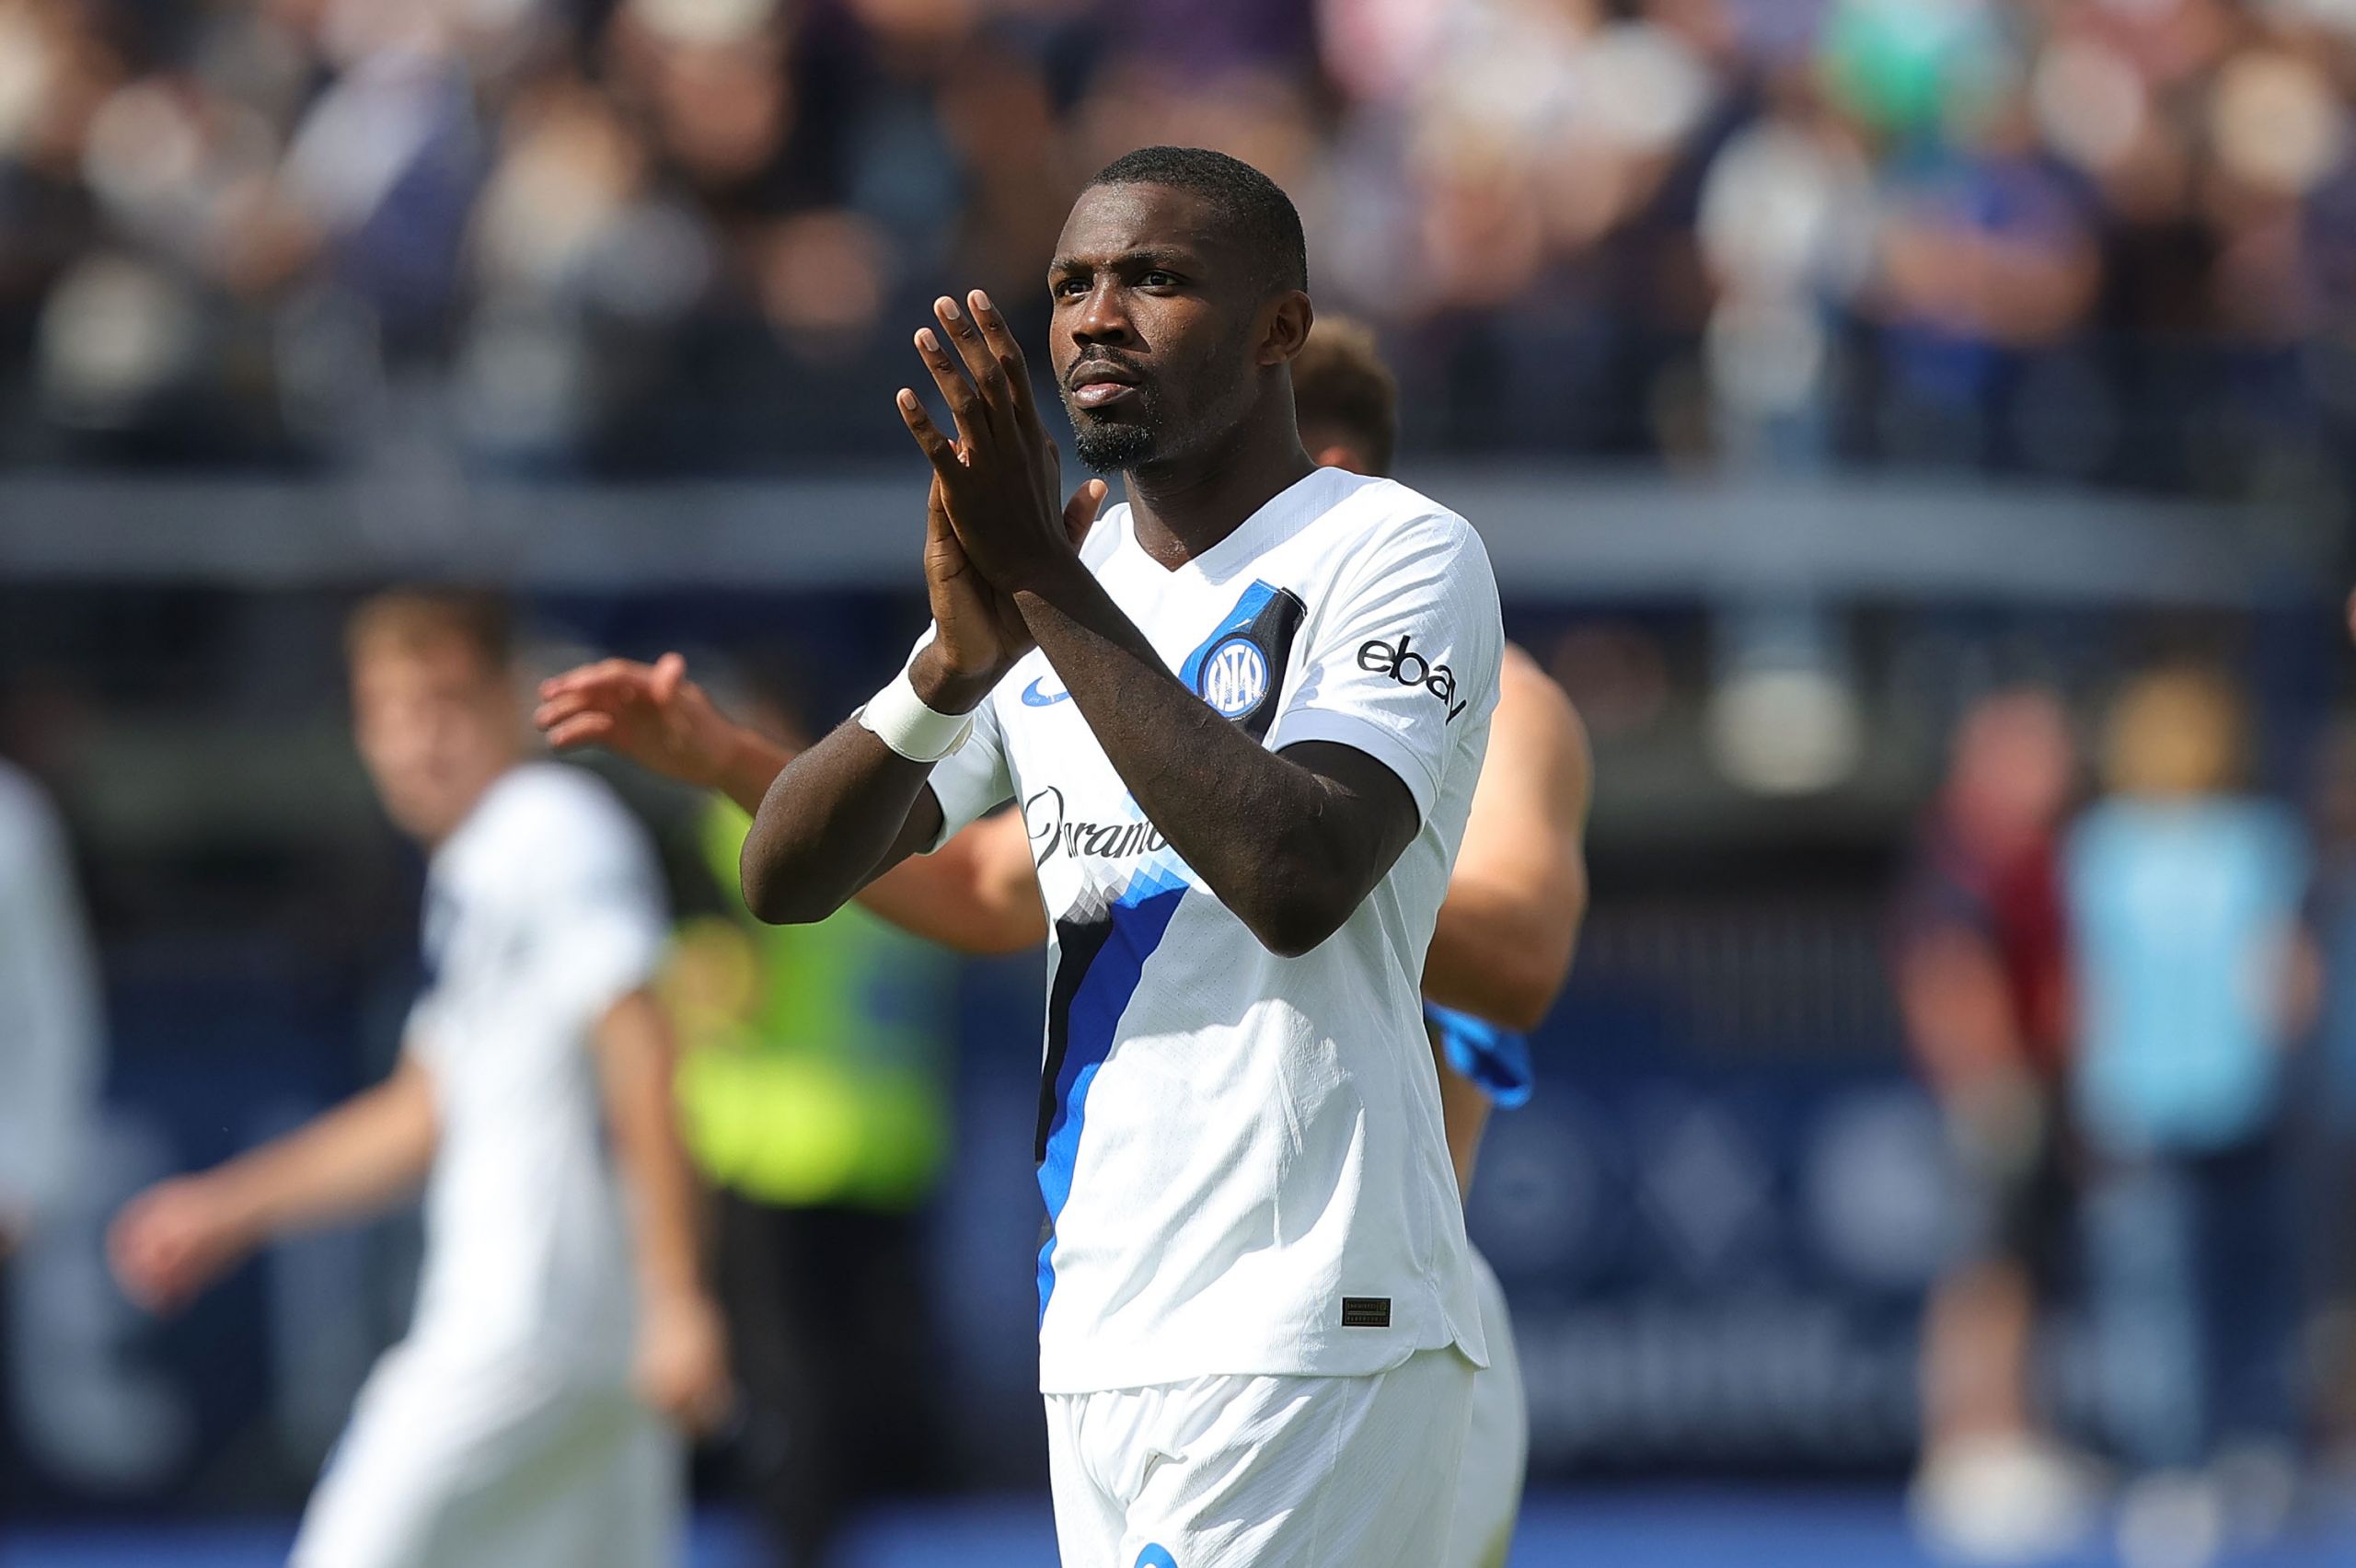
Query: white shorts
pixel 1496 1443
pixel 1262 1473
pixel 509 1465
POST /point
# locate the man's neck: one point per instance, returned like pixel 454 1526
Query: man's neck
pixel 1182 509
pixel 474 804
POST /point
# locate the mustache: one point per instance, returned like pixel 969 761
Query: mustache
pixel 1079 370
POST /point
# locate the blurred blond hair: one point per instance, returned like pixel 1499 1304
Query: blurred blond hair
pixel 2174 733
pixel 417 620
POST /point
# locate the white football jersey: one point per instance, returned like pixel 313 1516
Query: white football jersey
pixel 541 911
pixel 1241 1154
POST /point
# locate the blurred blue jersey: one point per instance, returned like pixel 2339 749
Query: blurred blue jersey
pixel 2179 911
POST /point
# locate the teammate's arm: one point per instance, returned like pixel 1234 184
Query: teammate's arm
pixel 682 1367
pixel 977 894
pixel 361 1157
pixel 1502 948
pixel 666 723
pixel 849 807
pixel 1291 842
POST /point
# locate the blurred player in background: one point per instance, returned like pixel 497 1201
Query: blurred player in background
pixel 50 1048
pixel 1499 954
pixel 562 1315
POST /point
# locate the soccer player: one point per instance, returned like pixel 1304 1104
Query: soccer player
pixel 1499 954
pixel 562 1314
pixel 1246 715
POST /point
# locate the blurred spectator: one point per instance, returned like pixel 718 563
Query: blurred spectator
pixel 2100 241
pixel 1983 976
pixel 50 1045
pixel 1984 263
pixel 1784 228
pixel 814 1088
pixel 2184 898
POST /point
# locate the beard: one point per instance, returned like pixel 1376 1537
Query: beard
pixel 1215 383
pixel 1109 448
pixel 1112 447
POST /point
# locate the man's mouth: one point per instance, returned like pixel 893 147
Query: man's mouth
pixel 1099 385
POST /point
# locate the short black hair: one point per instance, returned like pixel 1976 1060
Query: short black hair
pixel 1260 214
pixel 1340 386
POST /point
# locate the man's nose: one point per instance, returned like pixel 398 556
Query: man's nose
pixel 1101 318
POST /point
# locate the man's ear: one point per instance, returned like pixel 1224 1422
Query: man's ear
pixel 1285 324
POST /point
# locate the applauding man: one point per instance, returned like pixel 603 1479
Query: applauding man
pixel 1499 953
pixel 1247 712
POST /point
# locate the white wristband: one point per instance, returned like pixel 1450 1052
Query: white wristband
pixel 897 716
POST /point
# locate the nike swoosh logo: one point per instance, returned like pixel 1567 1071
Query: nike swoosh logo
pixel 1033 697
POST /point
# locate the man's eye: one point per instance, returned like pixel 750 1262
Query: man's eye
pixel 1157 278
pixel 1069 287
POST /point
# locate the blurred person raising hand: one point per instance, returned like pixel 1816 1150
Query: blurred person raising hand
pixel 562 1312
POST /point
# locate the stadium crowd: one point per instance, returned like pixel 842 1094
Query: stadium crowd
pixel 2110 241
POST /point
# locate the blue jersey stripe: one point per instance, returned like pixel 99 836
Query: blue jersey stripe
pixel 1091 1006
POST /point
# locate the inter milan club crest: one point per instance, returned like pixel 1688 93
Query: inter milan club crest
pixel 1239 665
pixel 1235 677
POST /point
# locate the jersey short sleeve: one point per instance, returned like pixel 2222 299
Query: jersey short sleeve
pixel 1403 656
pixel 974 779
pixel 598 922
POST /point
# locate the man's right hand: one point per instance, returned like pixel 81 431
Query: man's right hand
pixel 650 713
pixel 175 1238
pixel 982 634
